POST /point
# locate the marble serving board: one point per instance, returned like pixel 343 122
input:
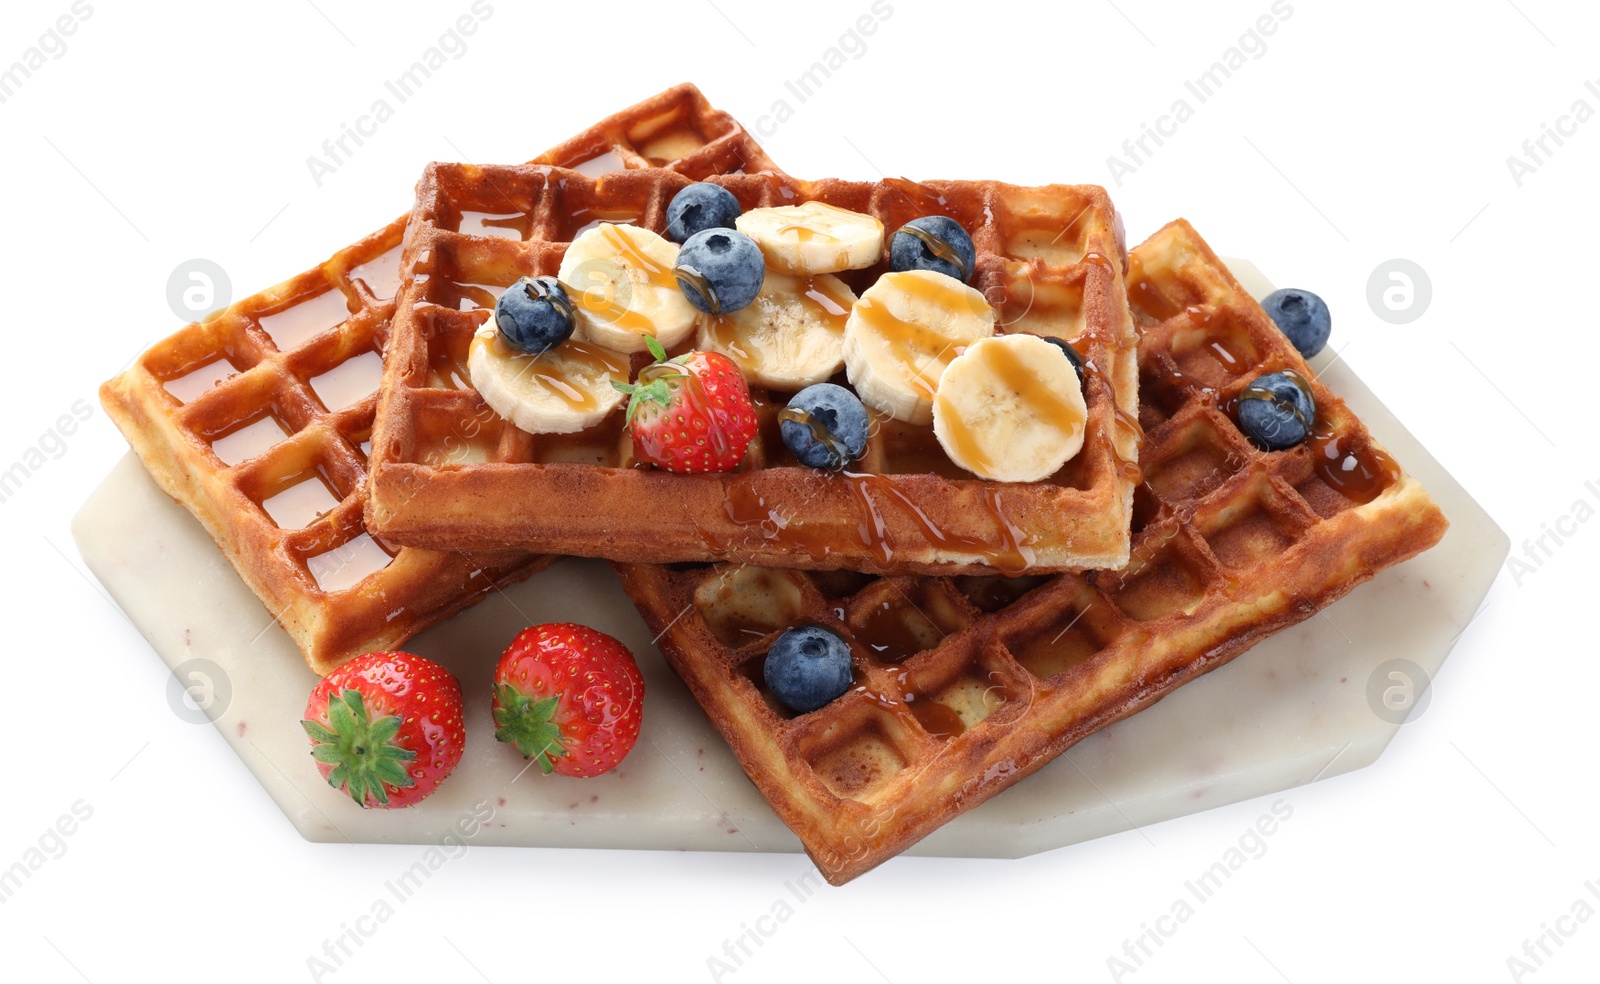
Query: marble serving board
pixel 1303 705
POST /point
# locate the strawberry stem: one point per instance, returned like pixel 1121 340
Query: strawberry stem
pixel 361 749
pixel 653 384
pixel 529 725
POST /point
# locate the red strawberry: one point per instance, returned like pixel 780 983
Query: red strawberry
pixel 692 414
pixel 568 697
pixel 386 728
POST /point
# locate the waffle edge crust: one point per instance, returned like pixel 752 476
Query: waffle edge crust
pixel 447 472
pixel 337 589
pixel 963 686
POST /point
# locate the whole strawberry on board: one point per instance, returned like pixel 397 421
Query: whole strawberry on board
pixel 691 414
pixel 568 697
pixel 386 728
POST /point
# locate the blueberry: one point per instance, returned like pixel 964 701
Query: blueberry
pixel 720 270
pixel 933 242
pixel 534 314
pixel 1071 353
pixel 807 667
pixel 825 426
pixel 1302 316
pixel 700 207
pixel 1276 410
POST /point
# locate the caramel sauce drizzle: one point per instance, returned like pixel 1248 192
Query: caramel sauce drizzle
pixel 726 338
pixel 1128 424
pixel 603 309
pixel 551 374
pixel 1039 398
pixel 1144 295
pixel 723 329
pixel 835 310
pixel 745 506
pixel 871 530
pixel 656 273
pixel 1013 555
pixel 1358 477
pixel 806 234
pixel 599 301
pixel 914 345
pixel 936 719
pixel 924 199
pixel 939 248
pixel 1007 551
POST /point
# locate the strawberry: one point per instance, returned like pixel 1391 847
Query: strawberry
pixel 386 728
pixel 691 414
pixel 568 697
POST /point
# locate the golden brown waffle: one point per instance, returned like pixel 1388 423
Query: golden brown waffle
pixel 1049 260
pixel 258 420
pixel 965 685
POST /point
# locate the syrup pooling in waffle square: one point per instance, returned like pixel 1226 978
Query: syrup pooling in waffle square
pixel 963 685
pixel 1048 261
pixel 259 419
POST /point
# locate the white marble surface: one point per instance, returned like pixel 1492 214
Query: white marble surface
pixel 1293 709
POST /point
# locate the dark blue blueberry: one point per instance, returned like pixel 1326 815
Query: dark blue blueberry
pixel 720 270
pixel 700 207
pixel 933 242
pixel 807 667
pixel 825 426
pixel 1071 353
pixel 1302 316
pixel 534 314
pixel 1276 411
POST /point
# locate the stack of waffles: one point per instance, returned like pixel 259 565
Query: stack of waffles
pixel 992 625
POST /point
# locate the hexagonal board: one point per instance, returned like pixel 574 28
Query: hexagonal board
pixel 1245 730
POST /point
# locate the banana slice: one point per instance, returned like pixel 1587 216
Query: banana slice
pixel 903 332
pixel 622 287
pixel 790 336
pixel 560 391
pixel 814 237
pixel 1010 409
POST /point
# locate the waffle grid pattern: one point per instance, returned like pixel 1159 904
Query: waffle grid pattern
pixel 965 685
pixel 259 419
pixel 1049 260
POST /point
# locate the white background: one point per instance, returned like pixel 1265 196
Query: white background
pixel 1366 131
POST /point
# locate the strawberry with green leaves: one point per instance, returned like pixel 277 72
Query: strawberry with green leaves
pixel 386 728
pixel 568 697
pixel 692 414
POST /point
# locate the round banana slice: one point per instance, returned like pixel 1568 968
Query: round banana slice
pixel 790 336
pixel 1010 409
pixel 814 237
pixel 903 332
pixel 559 391
pixel 622 287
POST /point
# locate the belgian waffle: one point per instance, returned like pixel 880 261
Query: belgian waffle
pixel 1049 261
pixel 259 419
pixel 965 685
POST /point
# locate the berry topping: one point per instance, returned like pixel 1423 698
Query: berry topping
pixel 386 728
pixel 825 426
pixel 1276 411
pixel 534 315
pixel 807 667
pixel 700 207
pixel 568 697
pixel 1302 316
pixel 933 242
pixel 720 270
pixel 692 414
